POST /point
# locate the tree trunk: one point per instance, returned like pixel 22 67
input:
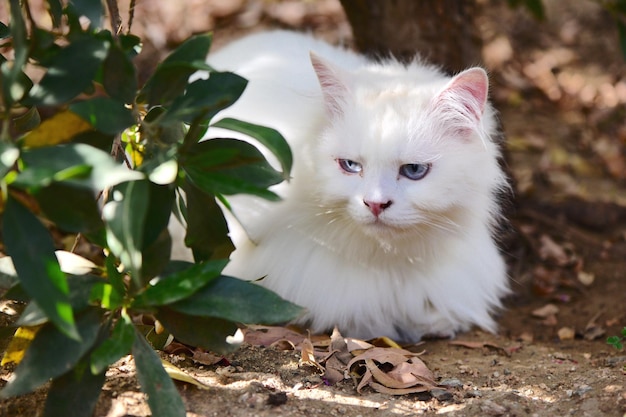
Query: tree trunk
pixel 441 31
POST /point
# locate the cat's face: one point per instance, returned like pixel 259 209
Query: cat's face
pixel 401 162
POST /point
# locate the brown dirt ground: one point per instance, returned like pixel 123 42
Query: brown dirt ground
pixel 560 86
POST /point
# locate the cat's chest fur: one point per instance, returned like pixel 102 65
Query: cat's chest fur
pixel 386 226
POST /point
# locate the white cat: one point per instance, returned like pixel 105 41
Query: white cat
pixel 386 227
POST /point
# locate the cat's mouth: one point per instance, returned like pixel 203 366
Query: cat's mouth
pixel 380 226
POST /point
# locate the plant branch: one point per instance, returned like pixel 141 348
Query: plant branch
pixel 131 14
pixel 114 16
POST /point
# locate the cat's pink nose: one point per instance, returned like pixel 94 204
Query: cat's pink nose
pixel 377 207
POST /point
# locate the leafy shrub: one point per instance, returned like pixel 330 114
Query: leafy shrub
pixel 58 174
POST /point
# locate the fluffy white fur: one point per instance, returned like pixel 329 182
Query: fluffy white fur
pixel 427 263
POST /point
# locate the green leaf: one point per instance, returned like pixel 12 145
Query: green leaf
pixel 163 398
pixel 14 86
pixel 41 165
pixel 130 44
pixel 125 218
pixel 43 47
pixel 71 209
pixel 204 98
pixel 31 247
pixel 116 278
pixel 206 332
pixel 207 230
pixel 8 155
pixel 74 393
pixel 96 139
pixel 15 83
pixel 91 9
pixel 105 114
pixel 27 121
pixel 51 354
pixel 106 296
pixel 119 344
pixel 171 76
pixel 268 137
pixel 156 256
pixel 119 77
pixel 239 301
pixel 72 72
pixel 180 285
pixel 161 199
pixel 5 32
pixel 8 275
pixel 32 315
pixel 229 166
pixel 535 7
pixel 169 134
pixel 70 263
pixel 81 287
pixel 615 341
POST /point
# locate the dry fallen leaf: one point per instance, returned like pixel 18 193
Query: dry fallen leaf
pixel 270 335
pixel 467 344
pixel 357 346
pixel 393 356
pixel 508 351
pixel 545 311
pixel 338 358
pixel 206 358
pixel 408 374
pixel 526 337
pixel 308 355
pixel 545 281
pixel 593 330
pixel 553 252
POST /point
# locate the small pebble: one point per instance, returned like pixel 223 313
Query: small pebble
pixel 616 360
pixel 277 398
pixel 441 394
pixel 490 408
pixel 451 383
pixel 582 390
pixel 473 393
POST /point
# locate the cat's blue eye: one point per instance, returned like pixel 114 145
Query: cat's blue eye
pixel 350 166
pixel 414 171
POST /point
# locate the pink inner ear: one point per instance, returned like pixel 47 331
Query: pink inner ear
pixel 469 89
pixel 334 89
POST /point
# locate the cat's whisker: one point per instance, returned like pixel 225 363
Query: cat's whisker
pixel 443 223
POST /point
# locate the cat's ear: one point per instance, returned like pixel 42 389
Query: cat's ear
pixel 333 83
pixel 466 94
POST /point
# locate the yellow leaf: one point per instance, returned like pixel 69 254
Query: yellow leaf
pixel 384 342
pixel 177 374
pixel 60 128
pixel 18 345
